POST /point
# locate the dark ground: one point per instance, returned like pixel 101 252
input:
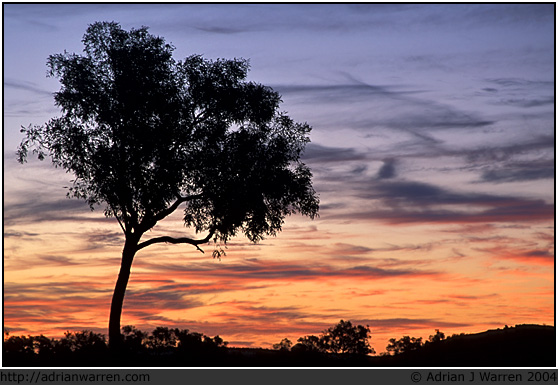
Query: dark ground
pixel 520 346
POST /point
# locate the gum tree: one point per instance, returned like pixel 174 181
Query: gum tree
pixel 144 135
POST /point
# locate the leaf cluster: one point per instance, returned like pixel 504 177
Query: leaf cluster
pixel 141 131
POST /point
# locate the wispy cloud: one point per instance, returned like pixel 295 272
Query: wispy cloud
pixel 27 86
pixel 34 207
pixel 19 234
pixel 520 171
pixel 523 256
pixel 324 154
pixel 269 270
pixel 412 202
pixel 394 107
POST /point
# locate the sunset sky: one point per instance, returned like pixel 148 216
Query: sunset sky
pixel 432 151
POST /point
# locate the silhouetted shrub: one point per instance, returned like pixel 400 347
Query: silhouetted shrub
pixel 310 344
pixel 404 345
pixel 342 338
pixel 134 339
pixel 285 345
pixel 523 345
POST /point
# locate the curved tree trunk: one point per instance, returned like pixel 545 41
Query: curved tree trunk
pixel 130 249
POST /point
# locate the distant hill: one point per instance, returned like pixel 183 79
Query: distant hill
pixel 519 346
pixel 522 345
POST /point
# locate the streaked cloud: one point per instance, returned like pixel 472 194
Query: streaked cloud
pixel 520 171
pixel 524 257
pixel 269 270
pixel 27 86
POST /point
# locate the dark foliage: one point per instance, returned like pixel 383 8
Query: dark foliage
pixel 520 346
pixel 346 338
pixel 342 338
pixel 140 131
pixel 74 348
pixel 310 344
pixel 284 345
pixel 143 134
pixel 86 348
pixel 403 345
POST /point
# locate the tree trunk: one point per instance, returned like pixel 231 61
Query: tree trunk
pixel 128 253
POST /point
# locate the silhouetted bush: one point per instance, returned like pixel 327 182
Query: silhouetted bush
pixel 404 345
pixel 343 338
pixel 285 345
pixel 522 345
pixel 310 344
pixel 89 348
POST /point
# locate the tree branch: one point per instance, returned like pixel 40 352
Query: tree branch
pixel 119 221
pixel 149 221
pixel 167 239
pixel 169 210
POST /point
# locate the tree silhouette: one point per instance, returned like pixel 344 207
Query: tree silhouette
pixel 404 344
pixel 310 344
pixel 284 345
pixel 341 338
pixel 144 134
pixel 439 336
pixel 162 338
pixel 346 338
pixel 133 338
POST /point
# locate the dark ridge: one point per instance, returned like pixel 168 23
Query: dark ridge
pixel 519 346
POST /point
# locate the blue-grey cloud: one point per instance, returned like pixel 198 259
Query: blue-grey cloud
pixel 520 171
pixel 528 103
pixel 414 202
pixel 387 170
pixel 487 154
pixel 103 238
pixel 409 111
pixel 521 212
pixel 36 208
pixel 19 234
pixel 521 92
pixel 425 194
pixel 27 86
pixel 221 30
pixel 346 91
pixel 317 153
pixel 521 83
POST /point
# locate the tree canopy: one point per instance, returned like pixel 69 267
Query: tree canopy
pixel 346 338
pixel 143 133
pixel 341 338
pixel 404 344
